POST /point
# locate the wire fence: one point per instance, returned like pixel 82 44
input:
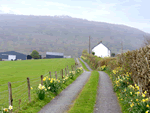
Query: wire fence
pixel 18 95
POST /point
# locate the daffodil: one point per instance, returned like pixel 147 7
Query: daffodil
pixel 143 95
pixel 147 111
pixel 132 104
pixel 147 106
pixel 31 88
pixel 136 99
pixel 10 107
pixel 5 109
pixel 49 87
pixel 143 100
pixel 131 93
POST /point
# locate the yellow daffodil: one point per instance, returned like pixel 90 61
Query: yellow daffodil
pixel 147 111
pixel 49 87
pixel 132 104
pixel 145 92
pixel 143 100
pixel 31 88
pixel 131 93
pixel 10 107
pixel 136 99
pixel 146 99
pixel 45 89
pixel 147 106
pixel 49 79
pixel 143 95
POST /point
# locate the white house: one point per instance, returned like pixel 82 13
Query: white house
pixel 101 50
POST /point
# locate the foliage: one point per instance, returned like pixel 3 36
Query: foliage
pixel 41 91
pixel 112 54
pixel 35 54
pixel 93 53
pixel 131 99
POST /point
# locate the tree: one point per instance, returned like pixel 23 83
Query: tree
pixel 112 54
pixel 35 54
pixel 146 41
pixel 93 53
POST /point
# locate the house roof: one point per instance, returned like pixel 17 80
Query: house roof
pixel 101 43
pixel 54 53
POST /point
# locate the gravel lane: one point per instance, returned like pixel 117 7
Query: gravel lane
pixel 61 102
pixel 106 98
pixel 86 65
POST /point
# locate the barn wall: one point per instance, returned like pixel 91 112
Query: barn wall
pixel 54 56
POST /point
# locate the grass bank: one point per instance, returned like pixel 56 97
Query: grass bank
pixel 86 99
pixel 36 105
pixel 83 65
pixel 17 72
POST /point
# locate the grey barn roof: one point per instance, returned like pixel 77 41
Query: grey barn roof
pixel 54 53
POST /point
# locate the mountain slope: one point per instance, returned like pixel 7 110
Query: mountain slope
pixel 63 34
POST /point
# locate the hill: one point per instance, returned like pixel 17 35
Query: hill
pixel 65 34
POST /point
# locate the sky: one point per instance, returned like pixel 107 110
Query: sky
pixel 133 13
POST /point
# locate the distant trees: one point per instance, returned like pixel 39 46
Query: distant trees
pixel 35 54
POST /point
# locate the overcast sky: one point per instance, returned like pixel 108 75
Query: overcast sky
pixel 134 13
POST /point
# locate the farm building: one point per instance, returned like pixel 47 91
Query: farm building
pixel 54 55
pixel 67 56
pixel 12 55
pixel 101 50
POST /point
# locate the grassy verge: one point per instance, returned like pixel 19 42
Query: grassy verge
pixel 17 72
pixel 86 100
pixel 129 97
pixel 36 104
pixel 87 61
pixel 83 65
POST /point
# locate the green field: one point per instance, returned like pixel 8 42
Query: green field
pixel 17 72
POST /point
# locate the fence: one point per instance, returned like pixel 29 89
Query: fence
pixel 21 95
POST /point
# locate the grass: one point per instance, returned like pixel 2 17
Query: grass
pixel 83 65
pixel 36 105
pixel 86 99
pixel 17 72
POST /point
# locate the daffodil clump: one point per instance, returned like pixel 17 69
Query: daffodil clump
pixel 102 68
pixel 78 70
pixel 129 94
pixel 52 84
pixel 71 74
pixel 6 110
pixel 41 91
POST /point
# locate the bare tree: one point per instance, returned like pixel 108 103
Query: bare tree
pixel 146 41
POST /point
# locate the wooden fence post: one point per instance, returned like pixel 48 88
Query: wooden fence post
pixel 10 96
pixel 65 72
pixel 50 74
pixel 56 75
pixel 28 82
pixel 41 79
pixel 62 73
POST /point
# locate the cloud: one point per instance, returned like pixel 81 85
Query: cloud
pixel 5 9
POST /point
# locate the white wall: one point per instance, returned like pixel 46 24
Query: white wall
pixel 101 51
pixel 11 57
